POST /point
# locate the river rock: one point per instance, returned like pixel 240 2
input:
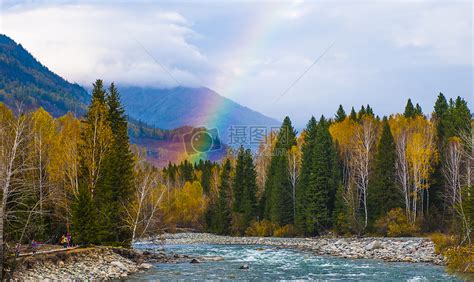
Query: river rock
pixel 145 266
pixel 244 266
pixel 373 245
pixel 119 265
pixel 194 261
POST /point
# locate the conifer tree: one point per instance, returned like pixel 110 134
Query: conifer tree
pixel 409 110
pixel 382 191
pixel 84 217
pixel 322 184
pixel 307 168
pixel 418 110
pixel 249 198
pixel 224 214
pixel 94 149
pixel 362 112
pixel 353 115
pixel 119 168
pixel 369 111
pixel 278 193
pixel 340 114
pixel 238 184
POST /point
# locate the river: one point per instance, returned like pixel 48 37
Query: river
pixel 270 263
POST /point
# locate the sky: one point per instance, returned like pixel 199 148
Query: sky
pixel 296 58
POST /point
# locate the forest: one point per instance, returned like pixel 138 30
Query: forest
pixel 358 174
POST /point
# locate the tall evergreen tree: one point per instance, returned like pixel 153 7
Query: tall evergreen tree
pixel 84 217
pixel 362 112
pixel 409 110
pixel 94 149
pixel 369 111
pixel 383 194
pixel 249 198
pixel 418 110
pixel 340 114
pixel 224 214
pixel 322 184
pixel 353 115
pixel 119 168
pixel 278 192
pixel 307 168
pixel 238 185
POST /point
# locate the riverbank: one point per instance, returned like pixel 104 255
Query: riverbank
pixel 94 263
pixel 387 249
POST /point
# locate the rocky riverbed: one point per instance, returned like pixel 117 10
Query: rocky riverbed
pixel 95 263
pixel 387 249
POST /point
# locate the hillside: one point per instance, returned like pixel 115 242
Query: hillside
pixel 184 106
pixel 24 79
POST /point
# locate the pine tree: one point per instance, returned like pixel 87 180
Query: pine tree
pixel 94 149
pixel 249 198
pixel 353 115
pixel 84 217
pixel 362 112
pixel 382 191
pixel 340 114
pixel 224 215
pixel 409 110
pixel 322 185
pixel 418 110
pixel 461 117
pixel 307 151
pixel 369 111
pixel 278 193
pixel 119 169
pixel 238 184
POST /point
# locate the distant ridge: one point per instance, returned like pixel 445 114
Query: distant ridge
pixel 185 106
pixel 25 80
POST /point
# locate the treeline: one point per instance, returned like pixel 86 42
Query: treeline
pixel 352 174
pixel 400 175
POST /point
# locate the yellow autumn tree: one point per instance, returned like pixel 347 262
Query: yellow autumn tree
pixel 43 133
pixel 185 207
pixel 416 154
pixel 63 167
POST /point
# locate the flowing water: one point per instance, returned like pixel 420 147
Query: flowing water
pixel 269 263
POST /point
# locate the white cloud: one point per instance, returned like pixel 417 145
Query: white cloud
pixel 84 42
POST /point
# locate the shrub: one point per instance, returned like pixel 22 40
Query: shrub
pixel 460 259
pixel 285 231
pixel 442 242
pixel 395 224
pixel 264 228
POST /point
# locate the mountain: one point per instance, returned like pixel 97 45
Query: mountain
pixel 184 106
pixel 25 80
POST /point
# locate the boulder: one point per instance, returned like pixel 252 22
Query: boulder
pixel 244 266
pixel 194 261
pixel 119 265
pixel 145 266
pixel 373 245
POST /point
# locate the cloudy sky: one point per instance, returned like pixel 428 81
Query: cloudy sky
pixel 281 58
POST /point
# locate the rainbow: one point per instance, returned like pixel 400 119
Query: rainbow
pixel 253 39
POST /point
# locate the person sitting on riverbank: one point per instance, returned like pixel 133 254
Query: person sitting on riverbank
pixel 64 241
pixel 69 240
pixel 34 246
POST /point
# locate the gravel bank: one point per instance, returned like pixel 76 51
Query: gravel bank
pixel 96 263
pixel 387 249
